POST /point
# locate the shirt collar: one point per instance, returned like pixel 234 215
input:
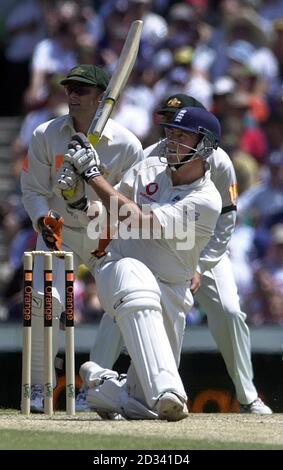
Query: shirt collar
pixel 107 131
pixel 67 122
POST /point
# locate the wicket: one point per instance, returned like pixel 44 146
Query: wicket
pixel 27 331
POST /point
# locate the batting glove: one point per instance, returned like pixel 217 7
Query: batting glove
pixel 71 187
pixel 83 157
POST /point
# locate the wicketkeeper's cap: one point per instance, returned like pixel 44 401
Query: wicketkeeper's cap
pixel 87 74
pixel 178 101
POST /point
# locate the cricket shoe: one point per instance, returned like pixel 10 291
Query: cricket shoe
pixel 110 415
pixel 105 414
pixel 256 407
pixel 81 401
pixel 37 399
pixel 171 407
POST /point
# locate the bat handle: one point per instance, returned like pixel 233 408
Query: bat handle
pixel 106 111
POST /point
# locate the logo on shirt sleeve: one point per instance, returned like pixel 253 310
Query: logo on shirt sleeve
pixel 233 190
pixel 58 161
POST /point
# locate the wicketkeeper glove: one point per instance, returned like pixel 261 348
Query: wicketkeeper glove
pixel 71 187
pixel 83 157
pixel 51 227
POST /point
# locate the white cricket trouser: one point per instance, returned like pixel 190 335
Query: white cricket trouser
pixel 108 343
pixel 219 299
pixel 151 317
pixel 77 241
pixel 175 301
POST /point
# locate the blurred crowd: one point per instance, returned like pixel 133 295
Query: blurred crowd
pixel 226 53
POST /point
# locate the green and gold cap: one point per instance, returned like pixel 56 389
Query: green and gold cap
pixel 175 102
pixel 88 74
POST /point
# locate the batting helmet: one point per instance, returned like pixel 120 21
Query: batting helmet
pixel 199 121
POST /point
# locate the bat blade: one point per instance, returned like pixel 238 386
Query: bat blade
pixel 117 83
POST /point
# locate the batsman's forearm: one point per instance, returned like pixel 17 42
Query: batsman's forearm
pixel 128 210
pixel 106 192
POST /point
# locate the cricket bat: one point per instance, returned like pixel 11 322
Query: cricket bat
pixel 117 83
pixel 115 87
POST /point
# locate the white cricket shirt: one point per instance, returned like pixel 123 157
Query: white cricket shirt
pixel 149 183
pixel 118 150
pixel 224 177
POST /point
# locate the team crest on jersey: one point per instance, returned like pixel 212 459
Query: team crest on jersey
pixel 151 188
